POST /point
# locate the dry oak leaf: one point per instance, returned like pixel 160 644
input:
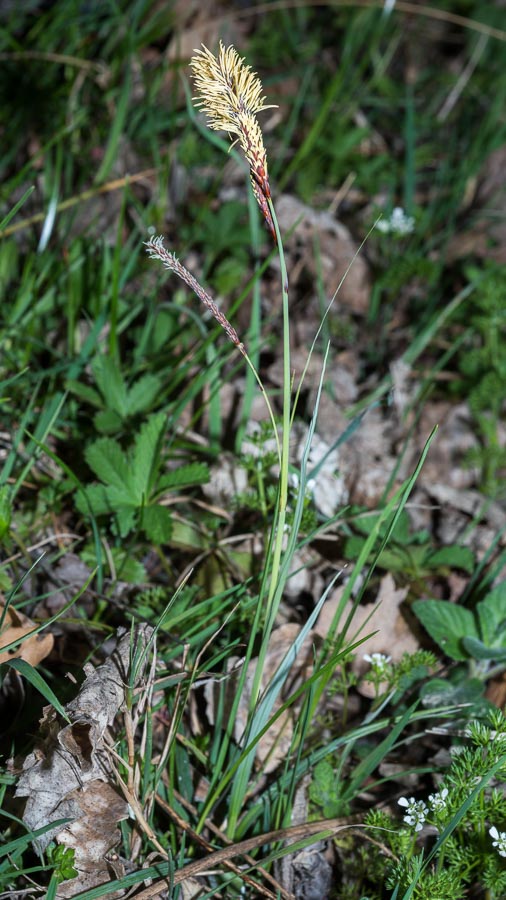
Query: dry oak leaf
pixel 92 834
pixel 367 459
pixel 15 626
pixel 70 775
pixel 337 251
pixel 393 635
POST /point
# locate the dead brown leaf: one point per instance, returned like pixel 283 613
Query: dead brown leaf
pixel 336 251
pixel 367 459
pixel 486 237
pixel 15 627
pixel 386 617
pixel 92 834
pixel 70 775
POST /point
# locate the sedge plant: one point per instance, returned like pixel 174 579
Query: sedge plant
pixel 230 95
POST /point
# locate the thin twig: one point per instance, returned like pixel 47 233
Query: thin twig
pixel 463 79
pixel 199 839
pixel 106 188
pixel 427 12
pixel 326 827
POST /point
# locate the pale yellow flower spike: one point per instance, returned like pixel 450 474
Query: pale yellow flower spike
pixel 227 87
pixel 230 94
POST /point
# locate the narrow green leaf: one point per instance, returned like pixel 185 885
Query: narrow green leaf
pixel 5 510
pixel 52 887
pixel 21 842
pixel 478 650
pixel 118 123
pixel 373 759
pixel 10 215
pixel 35 678
pixel 492 613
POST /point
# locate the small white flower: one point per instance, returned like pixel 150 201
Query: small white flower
pixel 378 661
pixel 398 223
pixel 499 840
pixel 293 480
pixel 416 812
pixel 437 802
pixel 310 486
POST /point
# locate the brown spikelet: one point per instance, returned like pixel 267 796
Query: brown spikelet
pixel 156 250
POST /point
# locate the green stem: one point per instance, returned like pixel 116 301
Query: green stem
pixel 280 520
pixel 287 384
pixel 278 528
pixel 261 488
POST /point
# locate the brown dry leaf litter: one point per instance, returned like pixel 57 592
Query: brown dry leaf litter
pixel 384 621
pixel 272 749
pixel 17 626
pixel 316 242
pixel 70 773
pixel 91 835
pixel 486 238
pixel 306 872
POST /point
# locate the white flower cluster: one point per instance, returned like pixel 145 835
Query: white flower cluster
pixel 437 802
pixel 417 811
pixel 499 840
pixel 378 661
pixel 398 223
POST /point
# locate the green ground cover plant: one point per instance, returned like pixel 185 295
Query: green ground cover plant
pixel 145 524
pixel 481 365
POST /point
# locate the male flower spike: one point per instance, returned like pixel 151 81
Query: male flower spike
pixel 230 94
